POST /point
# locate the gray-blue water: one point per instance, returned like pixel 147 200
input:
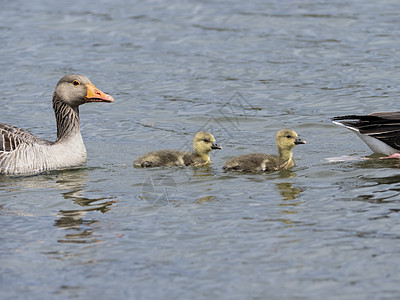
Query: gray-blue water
pixel 242 70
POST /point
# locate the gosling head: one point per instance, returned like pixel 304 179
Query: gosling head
pixel 204 142
pixel 286 139
pixel 77 89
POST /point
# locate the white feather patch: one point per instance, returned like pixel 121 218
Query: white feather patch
pixel 374 144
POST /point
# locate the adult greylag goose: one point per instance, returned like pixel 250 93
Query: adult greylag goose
pixel 285 140
pixel 21 152
pixel 380 131
pixel 203 143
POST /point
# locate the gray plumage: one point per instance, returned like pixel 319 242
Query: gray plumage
pixel 22 152
pixel 168 158
pixel 203 143
pixel 285 139
pixel 380 130
pixel 253 162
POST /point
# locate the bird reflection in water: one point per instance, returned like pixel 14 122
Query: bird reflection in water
pixel 288 193
pixel 75 219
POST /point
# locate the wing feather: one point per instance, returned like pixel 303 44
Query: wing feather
pixel 384 126
pixel 11 138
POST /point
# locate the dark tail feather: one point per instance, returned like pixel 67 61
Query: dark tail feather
pixel 357 117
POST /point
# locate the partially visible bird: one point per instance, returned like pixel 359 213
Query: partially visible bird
pixel 380 131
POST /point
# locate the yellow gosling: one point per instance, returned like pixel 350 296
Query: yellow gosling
pixel 203 144
pixel 285 140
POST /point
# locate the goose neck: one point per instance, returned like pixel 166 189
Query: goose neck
pixel 67 118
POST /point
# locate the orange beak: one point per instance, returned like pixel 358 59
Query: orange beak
pixel 95 95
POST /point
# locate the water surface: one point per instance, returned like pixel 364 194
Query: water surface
pixel 243 70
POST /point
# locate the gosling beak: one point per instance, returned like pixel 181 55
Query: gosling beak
pixel 215 146
pixel 299 141
pixel 95 95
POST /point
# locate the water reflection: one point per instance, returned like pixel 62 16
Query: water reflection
pixel 381 185
pixel 71 184
pixel 377 161
pixel 288 193
pixel 163 188
pixel 375 189
pixel 76 219
pixel 159 189
pixel 202 172
pixel 205 199
pixel 204 176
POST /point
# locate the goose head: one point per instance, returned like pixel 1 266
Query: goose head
pixel 204 142
pixel 75 90
pixel 286 139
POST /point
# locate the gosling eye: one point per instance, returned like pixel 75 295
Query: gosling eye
pixel 75 82
pixel 206 140
pixel 289 136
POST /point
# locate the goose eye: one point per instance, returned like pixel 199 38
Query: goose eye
pixel 206 140
pixel 75 82
pixel 289 136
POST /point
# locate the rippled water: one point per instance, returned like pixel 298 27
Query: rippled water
pixel 243 70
